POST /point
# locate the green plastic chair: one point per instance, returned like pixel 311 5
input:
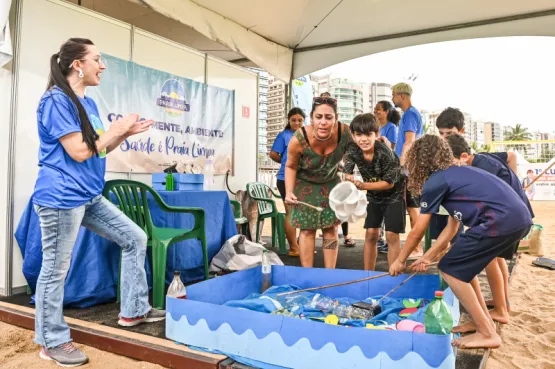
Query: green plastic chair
pixel 131 199
pixel 262 193
pixel 239 218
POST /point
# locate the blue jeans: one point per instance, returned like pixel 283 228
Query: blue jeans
pixel 59 232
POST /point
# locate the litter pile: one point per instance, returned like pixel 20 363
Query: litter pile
pixel 417 315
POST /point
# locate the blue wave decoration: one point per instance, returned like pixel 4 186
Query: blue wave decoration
pixel 433 349
pixel 272 348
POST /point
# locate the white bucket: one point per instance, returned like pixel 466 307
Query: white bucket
pixel 348 203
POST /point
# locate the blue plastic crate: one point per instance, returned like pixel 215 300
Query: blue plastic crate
pixel 181 181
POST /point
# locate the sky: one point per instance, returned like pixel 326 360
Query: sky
pixel 505 80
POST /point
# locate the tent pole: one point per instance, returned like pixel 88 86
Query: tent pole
pixel 11 149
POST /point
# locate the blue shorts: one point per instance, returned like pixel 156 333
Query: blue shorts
pixel 474 251
pixel 438 224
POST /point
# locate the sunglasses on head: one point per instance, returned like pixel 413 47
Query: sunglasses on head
pixel 324 100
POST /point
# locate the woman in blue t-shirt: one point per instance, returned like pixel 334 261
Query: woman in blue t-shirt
pixel 68 195
pixel 295 120
pixel 389 119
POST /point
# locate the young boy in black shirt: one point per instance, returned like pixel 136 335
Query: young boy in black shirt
pixel 384 183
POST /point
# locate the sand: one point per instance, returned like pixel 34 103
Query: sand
pixel 528 340
pixel 19 352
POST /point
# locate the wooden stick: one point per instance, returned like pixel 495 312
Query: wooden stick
pixel 333 285
pixel 412 275
pixel 395 289
pixel 317 208
pixel 541 174
pixel 356 281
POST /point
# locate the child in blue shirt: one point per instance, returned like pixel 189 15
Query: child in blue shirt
pixel 496 216
pixel 496 164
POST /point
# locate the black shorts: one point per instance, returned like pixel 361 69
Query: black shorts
pixel 473 252
pixel 394 215
pixel 438 224
pixel 412 201
pixel 281 188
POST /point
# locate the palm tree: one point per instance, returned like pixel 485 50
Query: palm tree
pixel 485 148
pixel 474 146
pixel 517 133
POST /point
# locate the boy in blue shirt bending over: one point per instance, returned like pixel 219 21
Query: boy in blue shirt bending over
pixel 496 164
pixel 496 216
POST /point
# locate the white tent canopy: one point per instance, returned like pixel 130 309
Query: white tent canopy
pixel 296 37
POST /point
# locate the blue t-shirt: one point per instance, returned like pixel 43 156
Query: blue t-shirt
pixel 496 164
pixel 280 146
pixel 62 182
pixel 410 122
pixel 476 198
pixel 389 131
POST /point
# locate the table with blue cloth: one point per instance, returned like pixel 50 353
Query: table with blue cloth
pixel 93 272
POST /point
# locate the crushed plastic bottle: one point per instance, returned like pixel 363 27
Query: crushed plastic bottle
pixel 438 318
pixel 328 305
pixel 177 288
pixel 292 303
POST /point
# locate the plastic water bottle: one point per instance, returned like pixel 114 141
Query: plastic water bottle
pixel 328 305
pixel 350 312
pixel 208 175
pixel 169 182
pixel 292 303
pixel 322 303
pixel 438 318
pixel 266 272
pixel 177 288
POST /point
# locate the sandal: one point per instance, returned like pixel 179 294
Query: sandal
pixel 544 263
pixel 349 242
pixel 294 253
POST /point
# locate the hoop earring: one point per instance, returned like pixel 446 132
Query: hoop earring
pixel 81 75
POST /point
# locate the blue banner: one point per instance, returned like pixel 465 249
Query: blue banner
pixel 302 95
pixel 193 121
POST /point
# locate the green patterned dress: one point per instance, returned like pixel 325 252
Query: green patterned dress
pixel 317 175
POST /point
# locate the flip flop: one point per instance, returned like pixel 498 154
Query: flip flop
pixel 294 253
pixel 544 263
pixel 349 242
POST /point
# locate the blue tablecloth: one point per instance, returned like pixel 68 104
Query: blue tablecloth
pixel 93 273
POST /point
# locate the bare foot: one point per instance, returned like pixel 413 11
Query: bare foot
pixel 499 317
pixel 465 328
pixel 478 340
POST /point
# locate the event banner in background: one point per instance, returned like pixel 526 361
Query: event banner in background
pixel 545 185
pixel 302 96
pixel 193 121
